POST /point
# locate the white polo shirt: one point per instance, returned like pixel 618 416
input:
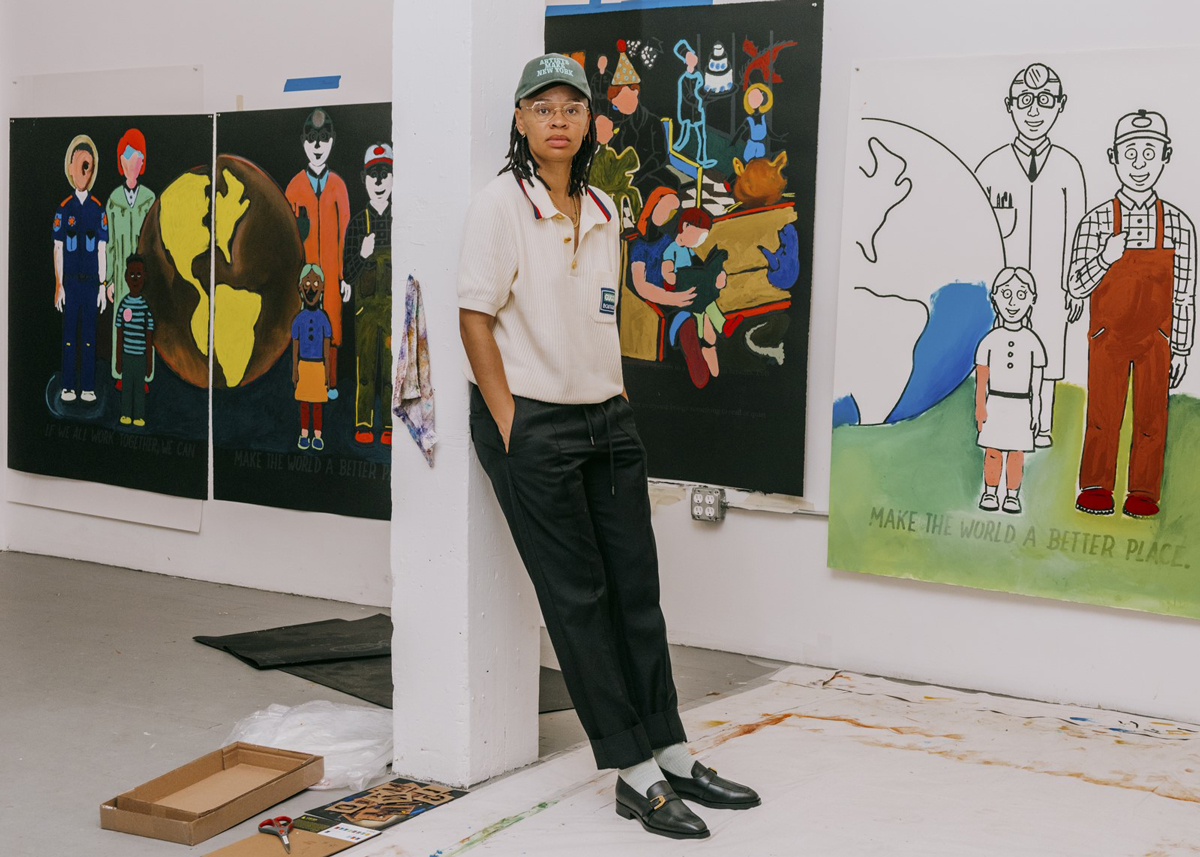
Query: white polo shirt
pixel 555 307
pixel 1011 354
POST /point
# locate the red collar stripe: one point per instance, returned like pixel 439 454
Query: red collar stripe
pixel 537 214
pixel 599 204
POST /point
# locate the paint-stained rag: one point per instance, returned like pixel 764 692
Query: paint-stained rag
pixel 412 397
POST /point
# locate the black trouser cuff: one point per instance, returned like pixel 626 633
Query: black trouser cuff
pixel 628 748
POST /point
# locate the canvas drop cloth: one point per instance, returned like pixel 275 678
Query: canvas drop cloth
pixel 850 765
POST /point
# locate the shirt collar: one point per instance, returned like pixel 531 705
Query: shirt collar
pixel 317 182
pixel 1129 202
pixel 1030 151
pixel 81 195
pixel 592 210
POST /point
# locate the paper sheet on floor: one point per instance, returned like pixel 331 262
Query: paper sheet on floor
pixel 850 765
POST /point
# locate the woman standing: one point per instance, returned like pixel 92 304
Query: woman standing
pixel 538 315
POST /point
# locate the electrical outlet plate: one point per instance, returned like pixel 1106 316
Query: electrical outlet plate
pixel 708 504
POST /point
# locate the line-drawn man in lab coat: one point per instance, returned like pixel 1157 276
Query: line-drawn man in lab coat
pixel 1038 192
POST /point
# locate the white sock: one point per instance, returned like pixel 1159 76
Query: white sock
pixel 990 490
pixel 641 776
pixel 675 759
pixel 1012 492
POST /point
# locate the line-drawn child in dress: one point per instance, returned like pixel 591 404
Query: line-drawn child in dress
pixel 135 342
pixel 683 269
pixel 311 334
pixel 1009 364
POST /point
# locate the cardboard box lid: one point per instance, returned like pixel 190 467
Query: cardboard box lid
pixel 211 794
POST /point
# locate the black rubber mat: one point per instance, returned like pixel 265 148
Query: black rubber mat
pixel 331 640
pixel 370 679
pixel 351 656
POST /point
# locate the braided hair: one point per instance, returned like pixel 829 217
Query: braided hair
pixel 522 165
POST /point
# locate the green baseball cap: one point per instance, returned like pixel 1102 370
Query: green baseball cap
pixel 548 70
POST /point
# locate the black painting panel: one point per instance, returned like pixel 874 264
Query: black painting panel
pixel 744 424
pixel 87 440
pixel 256 423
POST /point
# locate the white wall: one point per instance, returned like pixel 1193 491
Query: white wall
pixel 247 50
pixel 758 583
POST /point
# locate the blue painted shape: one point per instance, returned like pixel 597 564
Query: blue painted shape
pixel 1082 719
pixel 783 265
pixel 307 84
pixel 845 412
pixel 676 323
pixel 593 6
pixel 960 314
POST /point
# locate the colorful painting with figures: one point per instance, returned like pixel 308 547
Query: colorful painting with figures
pixel 1014 403
pixel 303 306
pixel 108 312
pixel 706 120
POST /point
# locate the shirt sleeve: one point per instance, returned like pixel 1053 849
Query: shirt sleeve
pixel 352 260
pixel 59 220
pixel 296 327
pixel 102 232
pixel 982 352
pixel 1039 352
pixel 326 326
pixel 120 318
pixel 1183 316
pixel 149 316
pixel 487 264
pixel 1087 265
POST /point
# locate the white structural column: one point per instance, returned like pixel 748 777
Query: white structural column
pixel 465 651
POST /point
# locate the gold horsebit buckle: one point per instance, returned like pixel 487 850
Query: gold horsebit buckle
pixel 658 803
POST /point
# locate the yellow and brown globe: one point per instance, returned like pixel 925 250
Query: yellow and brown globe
pixel 258 262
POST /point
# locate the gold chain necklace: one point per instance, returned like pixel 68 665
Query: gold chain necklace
pixel 575 217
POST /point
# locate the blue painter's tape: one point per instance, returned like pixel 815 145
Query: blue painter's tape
pixel 596 6
pixel 306 84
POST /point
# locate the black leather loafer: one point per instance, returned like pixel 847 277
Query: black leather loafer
pixel 707 789
pixel 660 811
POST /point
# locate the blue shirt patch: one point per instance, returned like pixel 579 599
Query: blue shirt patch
pixel 608 301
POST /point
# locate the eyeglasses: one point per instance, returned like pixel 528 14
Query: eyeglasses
pixel 1044 99
pixel 575 112
pixel 318 135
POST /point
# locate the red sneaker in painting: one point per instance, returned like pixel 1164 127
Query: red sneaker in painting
pixel 1095 501
pixel 689 341
pixel 364 437
pixel 731 324
pixel 386 437
pixel 1137 506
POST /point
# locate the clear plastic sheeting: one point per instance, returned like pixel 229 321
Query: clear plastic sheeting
pixel 849 765
pixel 356 742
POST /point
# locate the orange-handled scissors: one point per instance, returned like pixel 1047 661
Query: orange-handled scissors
pixel 280 826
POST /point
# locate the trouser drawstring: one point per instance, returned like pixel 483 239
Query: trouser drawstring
pixel 612 459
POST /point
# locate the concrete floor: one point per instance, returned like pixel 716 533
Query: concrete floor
pixel 104 689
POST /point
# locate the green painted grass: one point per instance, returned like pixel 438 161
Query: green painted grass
pixel 931 467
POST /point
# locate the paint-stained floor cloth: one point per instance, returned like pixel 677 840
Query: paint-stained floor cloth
pixel 850 765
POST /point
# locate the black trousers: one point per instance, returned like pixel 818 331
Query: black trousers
pixel 572 486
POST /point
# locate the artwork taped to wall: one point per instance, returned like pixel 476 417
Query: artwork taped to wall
pixel 706 119
pixel 302 309
pixel 1014 405
pixel 108 278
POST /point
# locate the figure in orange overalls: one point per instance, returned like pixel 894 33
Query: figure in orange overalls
pixel 1133 258
pixel 322 208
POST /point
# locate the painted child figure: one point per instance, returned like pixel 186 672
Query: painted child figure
pixel 1009 364
pixel 682 268
pixel 135 343
pixel 311 334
